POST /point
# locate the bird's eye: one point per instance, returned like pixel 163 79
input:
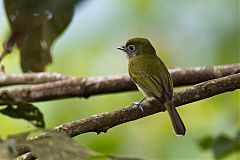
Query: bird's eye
pixel 131 48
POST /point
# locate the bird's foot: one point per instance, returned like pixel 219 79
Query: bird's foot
pixel 138 104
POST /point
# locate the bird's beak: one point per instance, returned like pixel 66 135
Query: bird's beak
pixel 123 48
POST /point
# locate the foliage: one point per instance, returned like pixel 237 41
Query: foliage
pixel 53 146
pixel 222 145
pixel 48 20
pixel 22 110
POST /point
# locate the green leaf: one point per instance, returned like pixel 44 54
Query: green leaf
pixel 53 145
pixel 222 145
pixel 7 151
pixel 59 146
pixel 206 142
pixel 25 111
pixel 48 20
pixel 64 148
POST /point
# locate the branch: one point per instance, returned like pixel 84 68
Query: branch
pixel 63 87
pixel 104 121
pixel 30 78
pixel 180 75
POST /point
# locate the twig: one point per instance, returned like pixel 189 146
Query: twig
pixel 30 78
pixel 85 87
pixel 104 121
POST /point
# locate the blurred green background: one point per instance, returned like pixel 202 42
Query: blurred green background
pixel 185 34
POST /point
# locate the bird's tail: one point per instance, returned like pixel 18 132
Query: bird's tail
pixel 177 122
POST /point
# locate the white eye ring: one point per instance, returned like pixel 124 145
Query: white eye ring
pixel 131 48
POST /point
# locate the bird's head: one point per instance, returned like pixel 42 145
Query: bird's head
pixel 138 46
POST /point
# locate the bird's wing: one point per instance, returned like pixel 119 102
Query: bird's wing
pixel 154 80
pixel 152 85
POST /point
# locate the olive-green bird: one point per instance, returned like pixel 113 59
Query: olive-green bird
pixel 152 78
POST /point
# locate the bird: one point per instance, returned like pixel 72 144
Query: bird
pixel 152 78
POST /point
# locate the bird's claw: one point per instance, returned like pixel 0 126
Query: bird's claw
pixel 138 104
